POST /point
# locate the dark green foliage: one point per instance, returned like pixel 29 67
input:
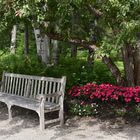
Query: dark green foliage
pixel 76 70
pixel 102 74
pixel 21 64
pixel 78 73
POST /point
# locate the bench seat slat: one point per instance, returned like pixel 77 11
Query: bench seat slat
pixel 26 102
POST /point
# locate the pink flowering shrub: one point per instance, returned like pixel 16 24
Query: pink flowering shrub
pixel 106 93
pixel 104 97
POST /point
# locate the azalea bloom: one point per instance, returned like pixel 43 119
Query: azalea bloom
pixel 106 92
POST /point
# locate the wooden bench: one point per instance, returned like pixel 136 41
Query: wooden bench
pixel 41 94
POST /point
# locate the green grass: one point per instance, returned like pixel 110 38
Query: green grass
pixel 120 66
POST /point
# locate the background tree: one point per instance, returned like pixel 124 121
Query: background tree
pixel 102 25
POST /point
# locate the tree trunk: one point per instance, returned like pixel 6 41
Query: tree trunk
pixel 45 49
pixel 55 52
pixel 26 39
pixel 114 70
pixel 90 59
pixel 74 20
pixel 13 39
pixel 73 51
pixel 137 63
pixel 128 60
pixel 38 40
pixel 42 43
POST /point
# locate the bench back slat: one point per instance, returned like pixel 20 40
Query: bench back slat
pixel 46 87
pixel 21 87
pixel 25 88
pixel 58 89
pixel 54 90
pixel 39 85
pixel 5 84
pixel 49 90
pixel 18 85
pixel 11 85
pixel 8 85
pixel 42 87
pixel 31 86
pixel 35 88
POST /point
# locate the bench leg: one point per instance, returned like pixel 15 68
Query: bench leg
pixel 61 117
pixel 9 112
pixel 42 120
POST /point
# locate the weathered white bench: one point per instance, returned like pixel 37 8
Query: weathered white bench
pixel 41 94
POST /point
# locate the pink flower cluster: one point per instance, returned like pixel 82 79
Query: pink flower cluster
pixel 107 92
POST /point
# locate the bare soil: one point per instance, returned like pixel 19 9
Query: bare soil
pixel 25 126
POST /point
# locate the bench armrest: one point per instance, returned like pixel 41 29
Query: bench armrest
pixel 56 94
pixel 42 98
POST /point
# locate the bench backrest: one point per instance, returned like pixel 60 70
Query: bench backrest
pixel 30 86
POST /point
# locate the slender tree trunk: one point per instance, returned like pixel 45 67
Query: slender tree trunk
pixel 42 43
pixel 38 40
pixel 26 39
pixel 13 39
pixel 45 49
pixel 62 49
pixel 90 59
pixel 114 70
pixel 73 51
pixel 74 20
pixel 128 60
pixel 137 63
pixel 90 63
pixel 55 52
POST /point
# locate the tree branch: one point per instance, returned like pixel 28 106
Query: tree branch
pixel 77 41
pixel 94 11
pixel 114 69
